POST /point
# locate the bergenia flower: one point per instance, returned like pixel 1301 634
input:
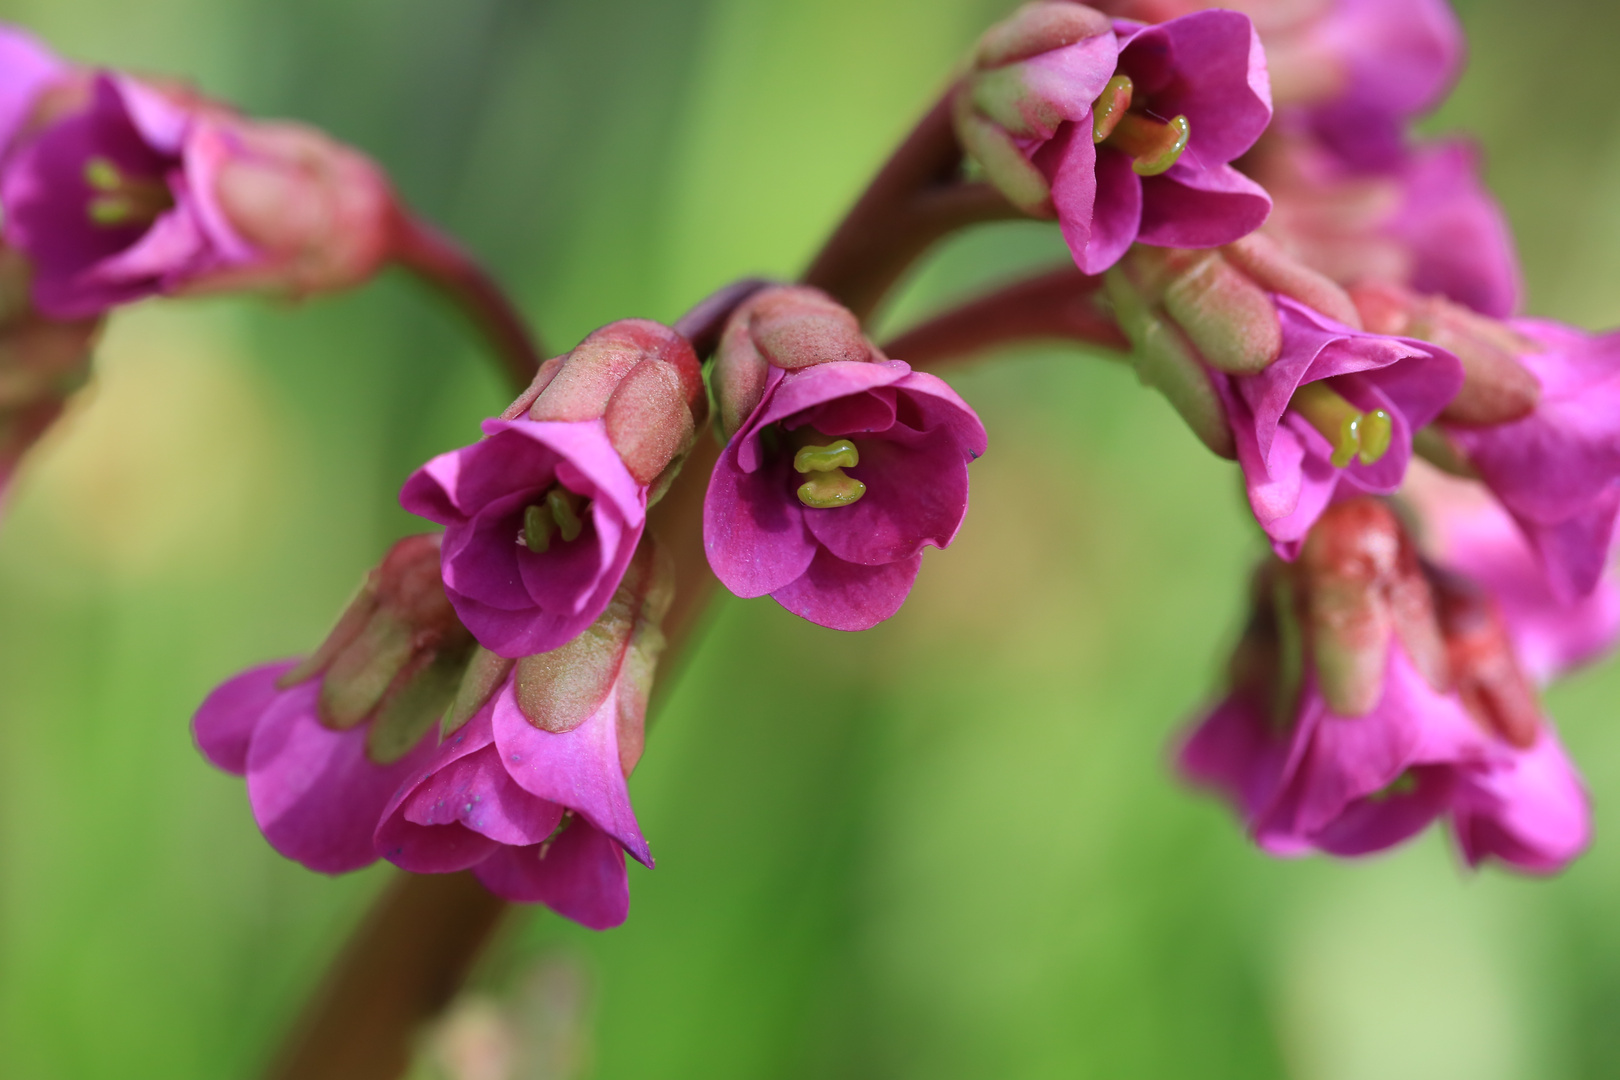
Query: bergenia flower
pixel 1333 416
pixel 841 472
pixel 543 514
pixel 1123 132
pixel 27 67
pixel 145 191
pixel 1557 470
pixel 1425 220
pixel 530 791
pixel 324 743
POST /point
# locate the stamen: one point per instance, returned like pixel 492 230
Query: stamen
pixel 565 507
pixel 123 200
pixel 1155 145
pixel 538 525
pixel 102 175
pixel 829 490
pixel 1403 784
pixel 1355 435
pixel 1110 106
pixel 826 458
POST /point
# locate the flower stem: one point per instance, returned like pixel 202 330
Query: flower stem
pixel 446 266
pixel 916 199
pixel 1058 305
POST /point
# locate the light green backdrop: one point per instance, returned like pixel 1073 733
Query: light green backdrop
pixel 962 856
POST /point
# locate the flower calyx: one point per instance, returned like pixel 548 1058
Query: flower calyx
pixel 1497 388
pixel 644 382
pixel 395 657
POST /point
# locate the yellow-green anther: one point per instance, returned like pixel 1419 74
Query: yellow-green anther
pixel 1377 428
pixel 538 525
pixel 1110 106
pixel 1174 141
pixel 111 210
pixel 835 455
pixel 565 507
pixel 831 489
pixel 102 175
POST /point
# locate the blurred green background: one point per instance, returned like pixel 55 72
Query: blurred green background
pixel 962 856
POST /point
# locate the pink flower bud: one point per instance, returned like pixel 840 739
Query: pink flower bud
pixel 530 793
pixel 325 743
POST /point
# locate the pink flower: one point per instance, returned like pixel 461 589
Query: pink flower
pixel 325 742
pixel 1557 470
pixel 1126 135
pixel 316 794
pixel 515 599
pixel 1333 416
pixel 145 191
pixel 848 563
pixel 26 68
pixel 541 817
pixel 1529 811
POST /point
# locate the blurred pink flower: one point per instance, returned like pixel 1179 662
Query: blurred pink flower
pixel 846 566
pixel 26 68
pixel 1288 460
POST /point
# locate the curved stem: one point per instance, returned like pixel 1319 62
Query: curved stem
pixel 917 198
pixel 1060 305
pixel 445 265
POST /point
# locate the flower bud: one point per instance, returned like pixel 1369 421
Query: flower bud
pixel 1344 568
pixel 790 327
pixel 1487 673
pixel 396 655
pixel 1497 388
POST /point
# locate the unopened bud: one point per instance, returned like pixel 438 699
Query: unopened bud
pixel 1036 28
pixel 1344 567
pixel 485 673
pixel 1274 270
pixel 639 377
pixel 396 654
pixel 1165 361
pixel 1230 319
pixel 1485 670
pixel 1497 389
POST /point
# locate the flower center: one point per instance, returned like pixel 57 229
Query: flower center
pixel 827 486
pixel 122 200
pixel 558 515
pixel 1353 433
pixel 1153 145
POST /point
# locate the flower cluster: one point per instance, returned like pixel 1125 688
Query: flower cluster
pixel 1323 297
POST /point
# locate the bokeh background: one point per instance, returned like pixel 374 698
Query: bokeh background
pixel 948 848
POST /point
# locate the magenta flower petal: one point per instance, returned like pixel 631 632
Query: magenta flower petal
pixel 315 794
pixel 1531 811
pixel 579 769
pixel 1192 207
pixel 580 875
pixel 224 724
pixel 1458 237
pixel 26 68
pixel 517 602
pixel 756 540
pixel 1067 80
pixel 915 494
pixel 848 596
pixel 1376 823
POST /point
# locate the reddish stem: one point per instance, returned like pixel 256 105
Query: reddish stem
pixel 917 198
pixel 1060 305
pixel 445 265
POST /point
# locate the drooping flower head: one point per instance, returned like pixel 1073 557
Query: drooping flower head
pixel 1540 425
pixel 544 513
pixel 528 786
pixel 840 466
pixel 1121 131
pixel 325 742
pixel 1372 696
pixel 145 190
pixel 1312 407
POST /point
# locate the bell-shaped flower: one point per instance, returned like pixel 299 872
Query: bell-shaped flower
pixel 542 515
pixel 324 743
pixel 1123 132
pixel 1312 407
pixel 145 190
pixel 528 787
pixel 843 465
